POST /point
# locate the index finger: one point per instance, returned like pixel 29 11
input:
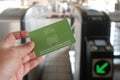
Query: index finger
pixel 10 38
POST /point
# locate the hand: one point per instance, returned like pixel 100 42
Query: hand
pixel 16 61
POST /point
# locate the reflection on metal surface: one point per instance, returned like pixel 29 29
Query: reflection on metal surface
pixel 72 60
pixel 115 37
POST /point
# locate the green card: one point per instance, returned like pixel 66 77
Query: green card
pixel 52 37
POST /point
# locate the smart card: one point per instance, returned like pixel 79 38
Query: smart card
pixel 52 37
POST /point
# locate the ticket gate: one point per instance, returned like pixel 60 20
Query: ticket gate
pixel 96 50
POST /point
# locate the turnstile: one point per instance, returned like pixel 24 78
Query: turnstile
pixel 96 51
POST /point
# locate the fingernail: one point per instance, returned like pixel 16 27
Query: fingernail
pixel 30 43
pixel 24 33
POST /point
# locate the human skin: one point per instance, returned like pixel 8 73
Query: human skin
pixel 17 61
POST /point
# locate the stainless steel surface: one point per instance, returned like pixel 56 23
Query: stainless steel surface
pixel 10 22
pixel 12 14
pixel 77 46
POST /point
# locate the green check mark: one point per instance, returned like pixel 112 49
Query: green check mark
pixel 101 69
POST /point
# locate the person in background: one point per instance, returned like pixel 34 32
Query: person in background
pixel 17 61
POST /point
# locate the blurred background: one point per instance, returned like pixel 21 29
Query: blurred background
pixel 63 64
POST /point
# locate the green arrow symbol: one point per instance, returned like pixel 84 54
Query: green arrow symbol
pixel 100 69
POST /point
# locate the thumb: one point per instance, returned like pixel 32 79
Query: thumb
pixel 24 49
pixel 12 37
